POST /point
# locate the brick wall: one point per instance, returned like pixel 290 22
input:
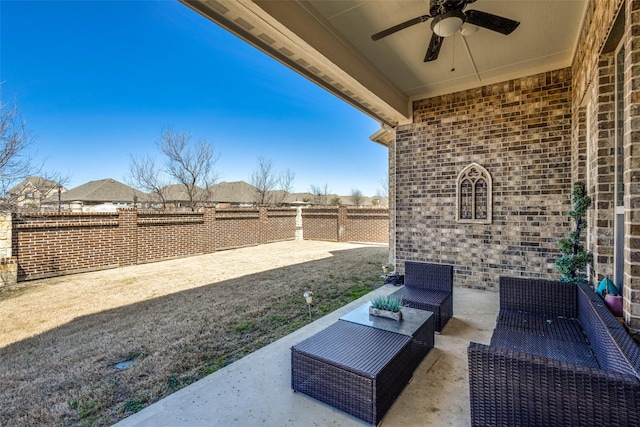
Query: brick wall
pixel 169 235
pixel 367 225
pixel 520 131
pixel 320 224
pixel 237 227
pixel 594 99
pixel 346 224
pixel 45 245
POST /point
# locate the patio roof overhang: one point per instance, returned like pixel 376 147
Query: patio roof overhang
pixel 330 44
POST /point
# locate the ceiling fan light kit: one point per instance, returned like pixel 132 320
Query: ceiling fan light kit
pixel 448 23
pixel 448 16
pixel 468 29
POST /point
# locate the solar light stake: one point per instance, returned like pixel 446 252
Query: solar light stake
pixel 308 296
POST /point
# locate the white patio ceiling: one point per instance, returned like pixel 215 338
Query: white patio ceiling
pixel 330 43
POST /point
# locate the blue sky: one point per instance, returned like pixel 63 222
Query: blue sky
pixel 98 81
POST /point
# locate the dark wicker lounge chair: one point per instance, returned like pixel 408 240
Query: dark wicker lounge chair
pixel 428 287
pixel 557 357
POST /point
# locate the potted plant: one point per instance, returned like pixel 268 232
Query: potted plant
pixel 574 259
pixel 386 306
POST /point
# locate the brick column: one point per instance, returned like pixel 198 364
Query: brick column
pixel 263 224
pixel 209 230
pixel 128 227
pixel 342 223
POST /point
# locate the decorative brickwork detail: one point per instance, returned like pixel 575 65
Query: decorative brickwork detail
pixel 474 202
pixel 521 131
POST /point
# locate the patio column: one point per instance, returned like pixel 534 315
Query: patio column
pixel 631 176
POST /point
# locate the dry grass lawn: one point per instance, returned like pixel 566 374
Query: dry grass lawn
pixel 61 339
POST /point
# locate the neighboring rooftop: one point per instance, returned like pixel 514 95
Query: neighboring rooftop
pixel 105 190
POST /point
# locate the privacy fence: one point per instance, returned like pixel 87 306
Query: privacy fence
pixel 50 244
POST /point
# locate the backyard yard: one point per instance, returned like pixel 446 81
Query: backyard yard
pixel 92 348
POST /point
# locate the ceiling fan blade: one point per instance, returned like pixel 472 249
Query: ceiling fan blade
pixel 434 48
pixel 491 22
pixel 402 26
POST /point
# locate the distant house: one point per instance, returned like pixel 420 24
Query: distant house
pixel 31 192
pixel 308 199
pixel 176 196
pixel 237 193
pixel 105 195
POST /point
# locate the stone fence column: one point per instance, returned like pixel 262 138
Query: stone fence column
pixel 299 229
pixel 8 264
pixel 342 223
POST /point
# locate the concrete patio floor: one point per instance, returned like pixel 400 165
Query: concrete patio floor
pixel 256 390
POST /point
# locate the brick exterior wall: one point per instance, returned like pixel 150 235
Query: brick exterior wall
pixel 520 132
pixel 45 245
pixel 535 136
pixel 632 171
pixel 594 103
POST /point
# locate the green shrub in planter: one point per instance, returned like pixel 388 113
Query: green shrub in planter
pixel 387 302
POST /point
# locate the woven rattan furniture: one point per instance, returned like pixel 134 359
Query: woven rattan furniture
pixel 418 324
pixel 428 287
pixel 361 368
pixel 557 357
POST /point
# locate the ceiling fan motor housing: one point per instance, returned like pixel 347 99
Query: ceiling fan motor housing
pixel 438 7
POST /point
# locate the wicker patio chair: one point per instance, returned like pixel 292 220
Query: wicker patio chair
pixel 428 287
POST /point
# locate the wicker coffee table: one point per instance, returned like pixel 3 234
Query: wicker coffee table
pixel 361 367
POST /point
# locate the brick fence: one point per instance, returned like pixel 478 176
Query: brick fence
pixel 51 244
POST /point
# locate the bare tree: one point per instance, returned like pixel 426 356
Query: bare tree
pixel 357 197
pixel 264 179
pixel 146 175
pixel 191 164
pixel 285 186
pixel 384 187
pixel 17 163
pixel 271 187
pixel 320 194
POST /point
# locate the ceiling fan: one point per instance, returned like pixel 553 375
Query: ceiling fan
pixel 448 17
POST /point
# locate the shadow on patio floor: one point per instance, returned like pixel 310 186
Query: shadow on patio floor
pixel 256 390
